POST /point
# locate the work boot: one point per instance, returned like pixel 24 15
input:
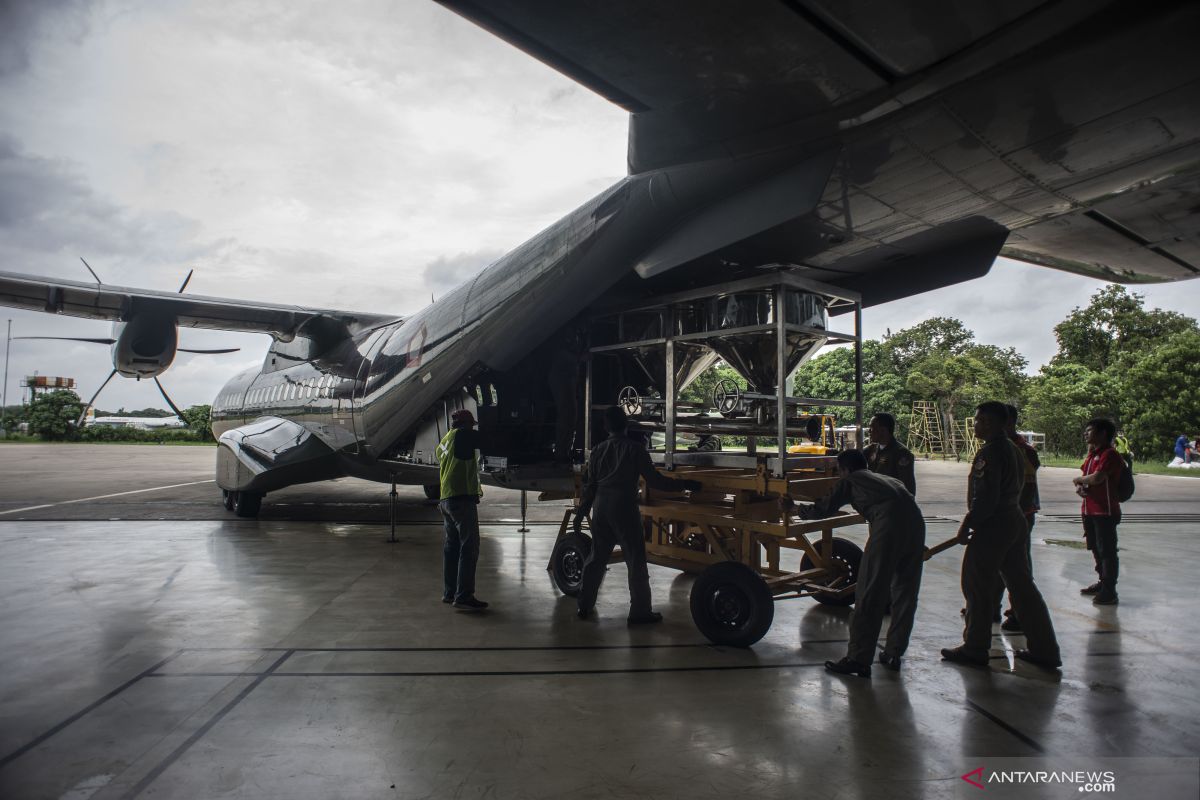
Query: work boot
pixel 848 667
pixel 1051 664
pixel 585 613
pixel 1108 598
pixel 648 618
pixel 1012 625
pixel 470 604
pixel 1093 589
pixel 960 655
pixel 447 599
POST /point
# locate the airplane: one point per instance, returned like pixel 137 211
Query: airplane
pixel 879 149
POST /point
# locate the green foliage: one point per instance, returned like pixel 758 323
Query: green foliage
pixel 1062 398
pixel 1158 398
pixel 110 433
pixel 52 415
pixel 197 419
pixel 1114 324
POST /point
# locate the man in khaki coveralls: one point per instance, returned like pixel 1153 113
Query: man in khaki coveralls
pixel 992 531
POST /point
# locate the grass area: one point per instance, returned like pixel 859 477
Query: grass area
pixel 1139 467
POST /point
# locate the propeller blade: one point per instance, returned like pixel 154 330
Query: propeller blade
pixel 185 280
pixel 167 397
pixel 89 269
pixel 70 339
pixel 208 352
pixel 92 402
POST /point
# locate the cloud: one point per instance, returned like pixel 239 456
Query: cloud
pixel 446 272
pixel 22 22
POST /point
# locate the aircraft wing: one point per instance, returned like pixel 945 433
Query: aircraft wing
pixel 118 303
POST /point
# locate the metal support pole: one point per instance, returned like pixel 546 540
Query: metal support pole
pixel 524 508
pixel 669 334
pixel 781 376
pixel 4 401
pixel 587 408
pixel 392 539
pixel 858 386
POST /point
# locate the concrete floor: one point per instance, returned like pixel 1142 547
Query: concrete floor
pixel 153 646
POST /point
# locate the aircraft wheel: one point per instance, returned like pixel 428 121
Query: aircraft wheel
pixel 566 564
pixel 227 499
pixel 433 491
pixel 846 559
pixel 247 504
pixel 731 604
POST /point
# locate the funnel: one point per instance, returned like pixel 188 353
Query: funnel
pixel 752 355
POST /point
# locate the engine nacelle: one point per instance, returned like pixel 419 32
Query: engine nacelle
pixel 144 346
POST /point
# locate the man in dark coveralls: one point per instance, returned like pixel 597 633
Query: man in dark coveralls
pixel 891 563
pixel 993 532
pixel 887 456
pixel 610 491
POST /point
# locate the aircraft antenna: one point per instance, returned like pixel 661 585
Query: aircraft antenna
pixel 185 281
pixel 89 269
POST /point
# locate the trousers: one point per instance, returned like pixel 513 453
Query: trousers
pixel 890 571
pixel 616 520
pixel 998 551
pixel 1101 536
pixel 460 548
pixel 1030 520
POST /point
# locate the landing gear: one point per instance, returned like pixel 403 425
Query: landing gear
pixel 244 504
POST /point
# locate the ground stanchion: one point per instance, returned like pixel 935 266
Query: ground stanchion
pixel 392 539
pixel 524 510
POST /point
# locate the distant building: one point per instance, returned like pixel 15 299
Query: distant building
pixel 140 423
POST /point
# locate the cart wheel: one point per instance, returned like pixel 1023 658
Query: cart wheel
pixel 227 499
pixel 629 401
pixel 433 491
pixel 727 396
pixel 732 605
pixel 846 556
pixel 567 562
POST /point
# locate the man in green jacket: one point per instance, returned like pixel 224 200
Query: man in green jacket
pixel 458 459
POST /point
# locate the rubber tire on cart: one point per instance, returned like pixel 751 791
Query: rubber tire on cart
pixel 571 553
pixel 433 491
pixel 849 554
pixel 227 499
pixel 247 504
pixel 731 604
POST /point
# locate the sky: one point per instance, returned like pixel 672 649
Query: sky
pixel 358 155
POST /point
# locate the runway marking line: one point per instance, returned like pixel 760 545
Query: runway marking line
pixel 106 496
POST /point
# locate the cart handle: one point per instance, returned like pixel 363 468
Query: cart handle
pixel 930 552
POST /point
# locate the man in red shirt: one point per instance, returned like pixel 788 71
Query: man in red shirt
pixel 1101 509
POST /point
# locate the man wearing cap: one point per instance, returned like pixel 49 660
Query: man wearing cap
pixel 610 492
pixel 458 459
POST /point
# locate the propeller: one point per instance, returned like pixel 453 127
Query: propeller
pixel 185 281
pixel 90 403
pixel 170 402
pixel 70 339
pixel 208 352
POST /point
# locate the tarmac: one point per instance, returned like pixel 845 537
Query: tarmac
pixel 152 645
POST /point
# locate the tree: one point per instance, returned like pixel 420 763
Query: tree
pixel 1114 323
pixel 198 418
pixel 937 334
pixel 1159 400
pixel 700 391
pixel 1062 398
pixel 52 415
